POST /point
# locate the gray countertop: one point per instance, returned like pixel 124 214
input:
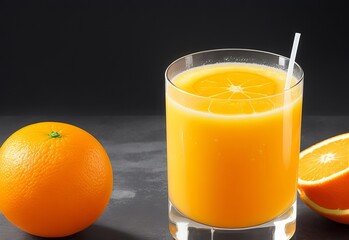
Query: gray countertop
pixel 138 206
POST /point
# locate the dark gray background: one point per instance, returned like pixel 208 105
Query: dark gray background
pixel 109 57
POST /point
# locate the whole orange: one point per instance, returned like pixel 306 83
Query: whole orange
pixel 55 179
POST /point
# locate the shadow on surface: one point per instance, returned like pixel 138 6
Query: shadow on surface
pixel 312 226
pixel 95 232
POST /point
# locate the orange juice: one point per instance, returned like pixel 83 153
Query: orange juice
pixel 233 139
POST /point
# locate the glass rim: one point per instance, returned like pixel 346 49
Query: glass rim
pixel 300 80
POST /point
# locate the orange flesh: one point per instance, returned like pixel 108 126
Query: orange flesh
pixel 328 160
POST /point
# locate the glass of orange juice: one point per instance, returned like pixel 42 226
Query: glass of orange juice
pixel 233 141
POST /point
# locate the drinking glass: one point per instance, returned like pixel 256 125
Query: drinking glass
pixel 232 162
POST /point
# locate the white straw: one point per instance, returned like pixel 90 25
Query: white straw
pixel 292 60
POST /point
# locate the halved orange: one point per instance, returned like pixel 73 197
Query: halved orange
pixel 323 182
pixel 235 85
pixel 233 88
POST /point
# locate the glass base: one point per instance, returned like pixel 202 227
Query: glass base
pixel 280 228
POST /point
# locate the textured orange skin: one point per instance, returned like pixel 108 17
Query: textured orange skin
pixel 333 194
pixel 53 187
pixel 340 218
pixel 344 219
